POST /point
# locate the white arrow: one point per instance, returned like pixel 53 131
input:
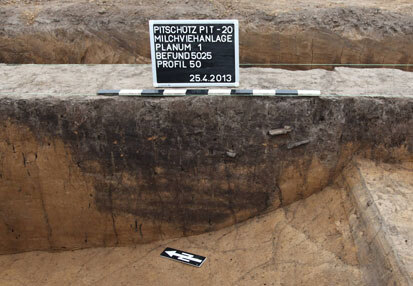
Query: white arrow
pixel 183 257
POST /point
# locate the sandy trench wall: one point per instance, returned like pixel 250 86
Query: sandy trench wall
pixel 79 172
pixel 384 259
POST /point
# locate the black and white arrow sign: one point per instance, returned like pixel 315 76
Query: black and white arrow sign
pixel 184 257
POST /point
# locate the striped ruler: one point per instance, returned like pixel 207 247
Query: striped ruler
pixel 195 92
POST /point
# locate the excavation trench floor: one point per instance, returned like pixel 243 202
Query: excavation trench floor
pixel 355 232
pixel 306 243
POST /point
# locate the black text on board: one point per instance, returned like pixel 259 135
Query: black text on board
pixel 194 52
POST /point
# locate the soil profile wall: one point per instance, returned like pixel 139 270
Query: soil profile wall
pixel 284 33
pixel 78 172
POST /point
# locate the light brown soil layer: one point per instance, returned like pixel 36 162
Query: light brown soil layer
pixel 306 243
pixel 85 80
pixel 383 197
pixel 290 32
pixel 321 240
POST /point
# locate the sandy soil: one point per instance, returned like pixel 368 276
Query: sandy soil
pixel 307 243
pixel 320 240
pixel 402 6
pixel 60 79
pixel 310 242
pixel 384 198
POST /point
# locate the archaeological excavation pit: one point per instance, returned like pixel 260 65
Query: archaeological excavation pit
pixel 287 190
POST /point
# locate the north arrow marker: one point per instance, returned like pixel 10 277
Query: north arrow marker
pixel 184 257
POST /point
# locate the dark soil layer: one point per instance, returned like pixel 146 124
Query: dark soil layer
pixel 79 172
